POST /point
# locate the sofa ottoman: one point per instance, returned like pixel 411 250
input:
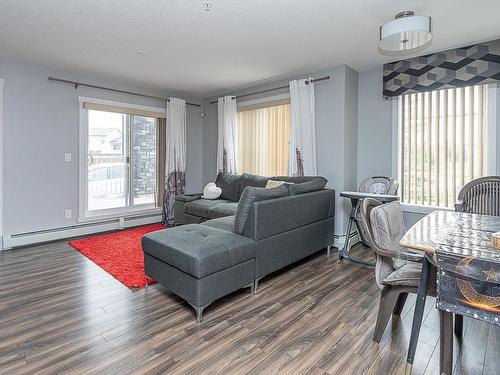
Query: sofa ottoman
pixel 199 263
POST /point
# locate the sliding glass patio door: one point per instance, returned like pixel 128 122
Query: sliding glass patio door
pixel 121 162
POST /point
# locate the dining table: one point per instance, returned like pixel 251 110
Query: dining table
pixel 459 247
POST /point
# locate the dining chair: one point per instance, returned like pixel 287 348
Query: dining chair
pixel 480 196
pixel 374 185
pixel 397 270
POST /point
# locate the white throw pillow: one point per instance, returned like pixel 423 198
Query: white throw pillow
pixel 211 191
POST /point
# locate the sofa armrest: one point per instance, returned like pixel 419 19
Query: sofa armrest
pixel 188 197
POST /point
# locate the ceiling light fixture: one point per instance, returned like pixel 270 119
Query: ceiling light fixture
pixel 405 35
pixel 207 6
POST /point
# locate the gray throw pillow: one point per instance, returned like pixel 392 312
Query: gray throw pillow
pixel 230 185
pixel 248 197
pixel 248 179
pixel 315 184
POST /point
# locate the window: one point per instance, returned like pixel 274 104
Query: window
pixel 263 133
pixel 443 138
pixel 119 160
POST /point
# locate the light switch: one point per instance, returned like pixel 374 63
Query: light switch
pixel 67 157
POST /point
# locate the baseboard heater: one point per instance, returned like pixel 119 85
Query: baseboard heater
pixel 11 241
pixel 339 240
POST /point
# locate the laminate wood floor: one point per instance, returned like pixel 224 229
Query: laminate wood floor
pixel 62 314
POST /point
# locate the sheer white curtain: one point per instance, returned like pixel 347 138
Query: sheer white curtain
pixel 226 145
pixel 263 137
pixel 302 159
pixel 175 163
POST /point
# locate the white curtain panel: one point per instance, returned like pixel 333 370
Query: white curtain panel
pixel 226 145
pixel 175 161
pixel 302 158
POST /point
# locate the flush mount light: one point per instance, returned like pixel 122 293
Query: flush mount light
pixel 405 35
pixel 141 52
pixel 207 6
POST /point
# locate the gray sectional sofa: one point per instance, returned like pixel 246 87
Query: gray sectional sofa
pixel 238 239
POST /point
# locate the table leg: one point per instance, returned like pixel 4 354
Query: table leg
pixel 445 342
pixel 344 252
pixel 418 314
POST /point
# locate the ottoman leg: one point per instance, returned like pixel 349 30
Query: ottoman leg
pixel 199 313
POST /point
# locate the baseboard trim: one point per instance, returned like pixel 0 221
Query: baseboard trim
pixel 12 241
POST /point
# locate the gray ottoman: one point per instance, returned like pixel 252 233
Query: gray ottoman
pixel 199 263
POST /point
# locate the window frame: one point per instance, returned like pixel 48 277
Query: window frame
pixel 491 146
pixel 84 215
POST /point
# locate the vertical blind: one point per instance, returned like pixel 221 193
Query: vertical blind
pixel 443 143
pixel 262 140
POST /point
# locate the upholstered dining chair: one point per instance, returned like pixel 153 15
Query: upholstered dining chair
pixel 374 185
pixel 480 196
pixel 397 270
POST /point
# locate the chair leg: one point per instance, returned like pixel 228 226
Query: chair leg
pixel 418 314
pixel 445 342
pixel 459 325
pixel 400 304
pixel 388 299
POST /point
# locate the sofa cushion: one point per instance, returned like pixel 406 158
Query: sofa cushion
pixel 224 223
pixel 198 250
pixel 201 207
pixel 222 210
pixel 251 195
pixel 315 184
pixel 230 185
pixel 248 179
pixel 187 197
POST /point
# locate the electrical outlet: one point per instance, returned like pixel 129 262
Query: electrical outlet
pixel 68 213
pixel 67 157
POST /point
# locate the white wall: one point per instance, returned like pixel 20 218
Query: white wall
pixel 40 125
pixel 336 130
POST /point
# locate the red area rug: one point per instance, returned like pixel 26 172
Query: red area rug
pixel 119 254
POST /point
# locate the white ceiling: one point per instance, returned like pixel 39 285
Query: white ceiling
pixel 236 43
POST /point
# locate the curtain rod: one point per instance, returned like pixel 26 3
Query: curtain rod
pixel 274 89
pixel 76 84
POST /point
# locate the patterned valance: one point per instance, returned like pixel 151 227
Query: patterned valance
pixel 459 67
